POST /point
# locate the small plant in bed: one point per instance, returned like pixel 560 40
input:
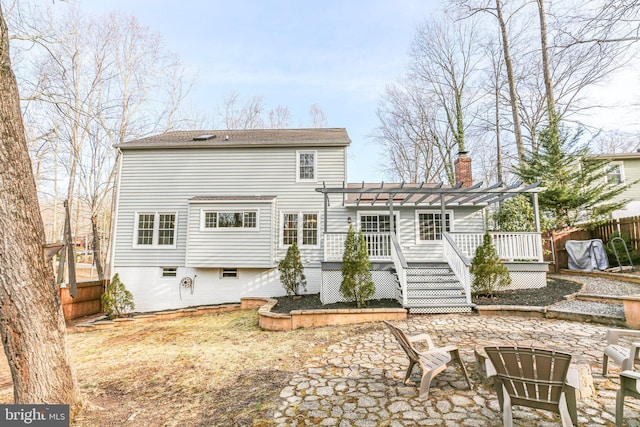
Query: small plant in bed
pixel 292 272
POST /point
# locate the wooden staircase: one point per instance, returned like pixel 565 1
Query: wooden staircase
pixel 434 288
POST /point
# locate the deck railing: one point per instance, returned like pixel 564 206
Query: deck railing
pixel 510 246
pixel 378 245
pixel 458 262
pixel 401 266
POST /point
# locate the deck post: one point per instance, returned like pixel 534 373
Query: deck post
pixel 326 204
pixel 443 218
pixel 391 219
pixel 536 212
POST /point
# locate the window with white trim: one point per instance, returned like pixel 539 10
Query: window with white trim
pixel 306 166
pixel 155 229
pixel 300 227
pixel 310 229
pixel 289 228
pixel 377 223
pixel 429 225
pixel 615 173
pixel 229 219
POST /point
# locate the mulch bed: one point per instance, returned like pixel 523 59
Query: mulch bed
pixel 555 291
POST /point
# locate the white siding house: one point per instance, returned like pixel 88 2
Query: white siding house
pixel 221 208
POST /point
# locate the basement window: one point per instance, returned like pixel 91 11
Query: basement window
pixel 169 272
pixel 229 273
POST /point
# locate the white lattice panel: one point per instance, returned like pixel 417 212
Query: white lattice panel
pixel 439 310
pixel 330 291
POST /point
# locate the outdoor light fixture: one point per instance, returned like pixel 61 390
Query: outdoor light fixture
pixel 349 220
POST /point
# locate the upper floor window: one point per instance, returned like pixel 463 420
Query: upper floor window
pixel 306 166
pixel 300 227
pixel 615 173
pixel 155 229
pixel 430 225
pixel 229 219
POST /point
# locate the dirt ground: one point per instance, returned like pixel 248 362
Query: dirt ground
pixel 206 370
pixel 214 369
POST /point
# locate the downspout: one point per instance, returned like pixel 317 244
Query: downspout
pixel 114 219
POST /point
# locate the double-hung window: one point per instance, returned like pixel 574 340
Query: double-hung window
pixel 615 173
pixel 155 229
pixel 306 166
pixel 300 227
pixel 229 219
pixel 377 223
pixel 430 225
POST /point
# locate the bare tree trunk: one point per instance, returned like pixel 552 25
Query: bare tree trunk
pixel 498 135
pixel 97 255
pixel 31 321
pixel 513 96
pixel 546 66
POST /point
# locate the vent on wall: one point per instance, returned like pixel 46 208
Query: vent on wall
pixel 203 137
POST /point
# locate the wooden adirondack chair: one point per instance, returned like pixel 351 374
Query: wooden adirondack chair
pixel 433 360
pixel 532 377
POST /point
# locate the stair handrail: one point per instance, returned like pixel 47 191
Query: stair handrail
pixel 458 262
pixel 401 266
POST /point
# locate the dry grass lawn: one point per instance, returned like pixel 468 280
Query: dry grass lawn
pixel 207 370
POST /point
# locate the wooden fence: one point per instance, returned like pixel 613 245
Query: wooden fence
pixel 86 302
pixel 554 241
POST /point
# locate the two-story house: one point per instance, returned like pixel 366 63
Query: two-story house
pixel 624 168
pixel 203 217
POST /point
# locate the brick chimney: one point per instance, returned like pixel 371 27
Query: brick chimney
pixel 462 169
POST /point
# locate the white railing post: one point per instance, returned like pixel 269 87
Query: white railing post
pixel 510 246
pixel 458 262
pixel 400 265
pixel 378 246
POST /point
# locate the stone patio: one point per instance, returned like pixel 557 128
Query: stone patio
pixel 358 382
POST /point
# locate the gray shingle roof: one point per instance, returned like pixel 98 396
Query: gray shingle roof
pixel 232 198
pixel 243 138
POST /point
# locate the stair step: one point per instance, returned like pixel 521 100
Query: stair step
pixel 465 304
pixel 453 291
pixel 427 279
pixel 436 299
pixel 428 265
pixel 426 272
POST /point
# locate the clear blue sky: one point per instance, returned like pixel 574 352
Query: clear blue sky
pixel 337 53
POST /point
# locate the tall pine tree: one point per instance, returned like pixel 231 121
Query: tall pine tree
pixel 575 183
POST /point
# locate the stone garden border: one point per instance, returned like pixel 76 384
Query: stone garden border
pixel 267 320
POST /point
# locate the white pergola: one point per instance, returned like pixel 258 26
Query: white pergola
pixel 429 195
